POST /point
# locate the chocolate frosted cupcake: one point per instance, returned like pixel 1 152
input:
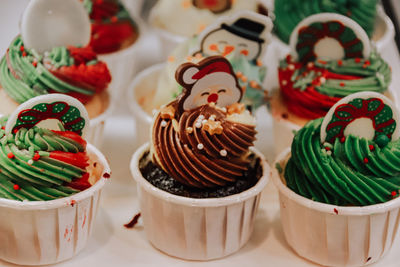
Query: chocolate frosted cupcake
pixel 59 62
pixel 343 176
pixel 50 181
pixel 200 159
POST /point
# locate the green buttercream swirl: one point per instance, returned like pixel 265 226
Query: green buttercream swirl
pixel 290 12
pixel 375 75
pixel 337 174
pixel 42 179
pixel 28 80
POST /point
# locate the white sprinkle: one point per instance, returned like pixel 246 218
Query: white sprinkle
pixel 204 121
pixel 310 65
pixel 200 146
pixel 163 123
pixel 201 117
pixel 198 125
pixel 284 82
pixel 223 109
pixel 329 152
pixel 30 162
pixel 322 79
pixel 154 112
pixel 291 67
pixel 189 130
pixel 223 153
pixel 212 118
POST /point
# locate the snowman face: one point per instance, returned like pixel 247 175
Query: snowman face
pixel 222 94
pixel 222 42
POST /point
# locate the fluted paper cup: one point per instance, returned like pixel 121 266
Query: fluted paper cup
pixel 197 229
pixel 144 85
pixel 124 64
pixel 335 235
pixel 47 232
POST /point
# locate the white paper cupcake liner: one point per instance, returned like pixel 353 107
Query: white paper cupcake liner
pixel 124 64
pixel 143 84
pixel 197 229
pixel 46 232
pixel 335 235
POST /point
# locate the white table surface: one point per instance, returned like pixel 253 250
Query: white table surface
pixel 114 245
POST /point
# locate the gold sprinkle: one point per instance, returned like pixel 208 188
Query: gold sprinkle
pixel 239 74
pixel 212 127
pixel 235 108
pixel 167 112
pixel 171 59
pixel 189 130
pixel 186 4
pixel 201 28
pixel 189 58
pixel 254 84
pixel 244 78
pixel 259 63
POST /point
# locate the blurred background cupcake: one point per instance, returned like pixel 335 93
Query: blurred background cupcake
pixel 59 62
pixel 331 57
pixel 193 18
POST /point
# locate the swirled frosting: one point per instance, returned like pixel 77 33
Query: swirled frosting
pixel 204 147
pixel 311 89
pixel 40 164
pixel 340 174
pixel 25 74
pixel 112 27
pixel 251 75
pixel 290 12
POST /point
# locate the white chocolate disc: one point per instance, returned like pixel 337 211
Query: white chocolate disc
pixel 46 24
pixel 327 48
pixel 79 116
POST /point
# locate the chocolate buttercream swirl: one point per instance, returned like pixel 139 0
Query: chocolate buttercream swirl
pixel 202 147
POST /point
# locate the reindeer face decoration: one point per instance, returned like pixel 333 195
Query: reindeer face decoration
pixel 212 80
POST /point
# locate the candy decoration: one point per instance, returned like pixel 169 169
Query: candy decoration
pixel 215 6
pixel 329 36
pixel 50 23
pixel 366 114
pixel 211 81
pixel 50 111
pixel 245 33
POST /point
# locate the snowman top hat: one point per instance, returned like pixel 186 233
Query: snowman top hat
pixel 246 28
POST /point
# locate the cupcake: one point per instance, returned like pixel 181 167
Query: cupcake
pixel 199 181
pixel 331 58
pixel 242 39
pixel 194 16
pixel 50 181
pixel 114 37
pixel 57 63
pixel 340 184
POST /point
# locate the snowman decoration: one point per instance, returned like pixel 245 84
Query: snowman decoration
pixel 211 81
pixel 246 33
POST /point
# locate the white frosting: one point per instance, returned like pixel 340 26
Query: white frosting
pixel 182 18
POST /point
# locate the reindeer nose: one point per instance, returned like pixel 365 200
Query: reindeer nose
pixel 212 98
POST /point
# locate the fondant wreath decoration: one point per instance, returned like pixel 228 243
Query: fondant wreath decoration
pixel 310 35
pixel 68 115
pixel 375 109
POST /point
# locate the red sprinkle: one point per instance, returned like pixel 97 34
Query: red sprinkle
pixel 357 60
pixel 340 63
pixel 10 155
pixel 335 210
pixel 341 84
pixel 133 222
pixel 16 187
pixel 34 63
pixel 394 193
pixel 342 139
pixel 36 156
pixel 22 48
pixel 24 54
pixel 366 160
pixel 73 202
pixel 327 148
pixel 114 19
pixel 371 147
